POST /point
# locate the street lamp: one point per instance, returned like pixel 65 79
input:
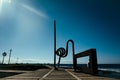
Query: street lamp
pixel 9 56
pixel 4 54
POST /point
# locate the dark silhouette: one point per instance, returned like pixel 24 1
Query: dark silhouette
pixel 62 52
pixel 9 56
pixel 92 65
pixel 55 44
pixel 4 54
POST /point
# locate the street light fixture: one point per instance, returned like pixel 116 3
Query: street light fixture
pixel 9 56
pixel 4 54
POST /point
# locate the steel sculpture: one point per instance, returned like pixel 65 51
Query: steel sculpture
pixel 62 52
pixel 92 64
pixel 55 44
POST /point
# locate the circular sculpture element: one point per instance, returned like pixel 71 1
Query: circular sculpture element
pixel 61 52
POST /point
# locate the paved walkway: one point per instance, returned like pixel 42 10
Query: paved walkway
pixel 32 75
pixel 51 74
pixel 60 74
pixel 83 76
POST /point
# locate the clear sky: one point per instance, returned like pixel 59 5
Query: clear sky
pixel 26 26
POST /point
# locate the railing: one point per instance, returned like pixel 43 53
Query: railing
pixel 92 64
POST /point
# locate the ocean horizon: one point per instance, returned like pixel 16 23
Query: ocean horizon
pixel 105 70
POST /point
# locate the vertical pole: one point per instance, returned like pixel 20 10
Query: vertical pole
pixel 9 56
pixel 54 44
pixel 3 60
pixel 93 58
pixel 17 60
pixel 4 54
pixel 75 63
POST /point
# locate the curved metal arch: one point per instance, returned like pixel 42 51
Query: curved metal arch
pixel 73 49
pixel 61 52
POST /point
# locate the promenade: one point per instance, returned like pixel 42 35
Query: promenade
pixel 51 74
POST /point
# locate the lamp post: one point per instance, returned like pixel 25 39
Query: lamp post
pixel 4 54
pixel 9 56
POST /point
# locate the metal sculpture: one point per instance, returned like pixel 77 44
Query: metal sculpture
pixel 55 44
pixel 92 65
pixel 61 52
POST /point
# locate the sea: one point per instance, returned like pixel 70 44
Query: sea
pixel 105 70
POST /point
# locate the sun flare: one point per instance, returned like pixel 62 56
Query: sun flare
pixel 1 2
pixel 4 3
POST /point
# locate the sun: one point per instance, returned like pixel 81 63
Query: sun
pixel 1 2
pixel 4 2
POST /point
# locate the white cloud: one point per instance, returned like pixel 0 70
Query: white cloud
pixel 37 12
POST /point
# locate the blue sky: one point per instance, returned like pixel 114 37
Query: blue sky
pixel 26 26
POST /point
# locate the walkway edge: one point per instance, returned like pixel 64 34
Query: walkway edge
pixel 47 74
pixel 73 75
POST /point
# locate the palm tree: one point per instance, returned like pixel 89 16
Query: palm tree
pixel 4 54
